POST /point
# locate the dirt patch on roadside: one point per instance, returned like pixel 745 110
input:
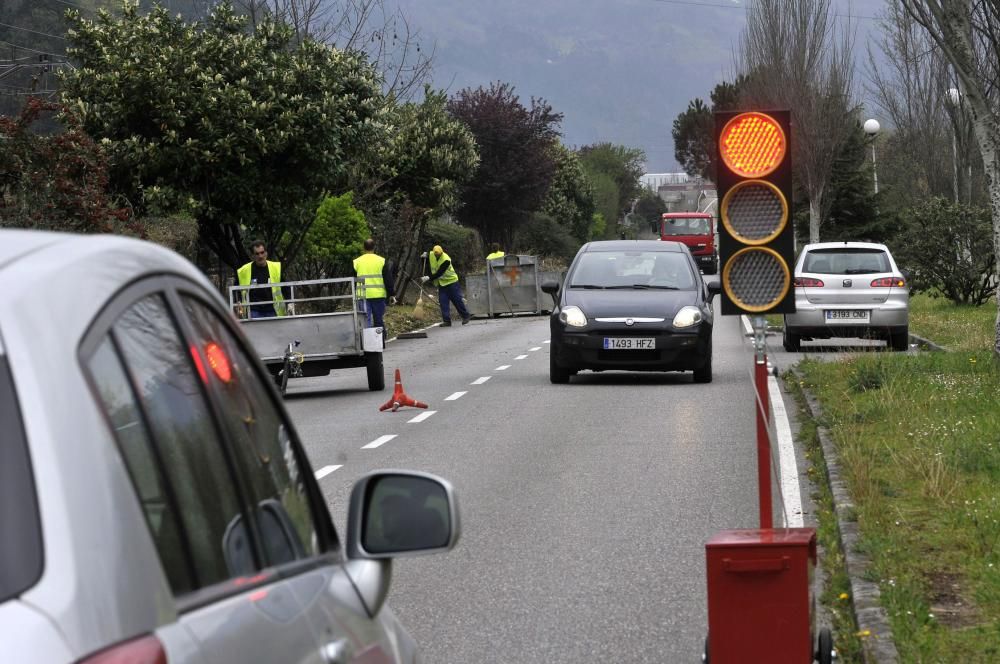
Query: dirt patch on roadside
pixel 948 605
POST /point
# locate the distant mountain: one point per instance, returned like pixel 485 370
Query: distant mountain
pixel 619 70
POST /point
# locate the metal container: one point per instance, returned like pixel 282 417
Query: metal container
pixel 760 596
pixel 510 285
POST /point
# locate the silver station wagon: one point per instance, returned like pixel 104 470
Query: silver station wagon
pixel 156 504
pixel 848 289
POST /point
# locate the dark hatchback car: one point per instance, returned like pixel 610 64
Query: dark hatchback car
pixel 632 306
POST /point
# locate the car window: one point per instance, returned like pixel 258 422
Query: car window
pixel 182 429
pixel 619 269
pixel 847 261
pixel 262 441
pixel 20 526
pixel 136 447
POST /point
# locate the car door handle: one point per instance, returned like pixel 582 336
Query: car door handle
pixel 337 652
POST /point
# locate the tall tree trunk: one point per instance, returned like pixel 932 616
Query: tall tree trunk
pixel 815 214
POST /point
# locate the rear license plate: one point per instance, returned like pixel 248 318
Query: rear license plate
pixel 629 343
pixel 846 316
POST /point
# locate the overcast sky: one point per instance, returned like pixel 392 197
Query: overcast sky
pixel 619 70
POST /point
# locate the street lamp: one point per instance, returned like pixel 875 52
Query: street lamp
pixel 871 128
pixel 953 98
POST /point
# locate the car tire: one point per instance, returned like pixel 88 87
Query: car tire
pixel 376 373
pixel 703 374
pixel 901 341
pixel 792 342
pixel 557 375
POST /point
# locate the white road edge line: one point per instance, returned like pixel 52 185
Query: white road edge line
pixel 788 468
pixel 326 470
pixel 480 380
pixel 520 357
pixel 547 341
pixel 535 348
pixel 378 442
pixel 454 395
pixel 421 417
pixel 502 367
pixel 786 457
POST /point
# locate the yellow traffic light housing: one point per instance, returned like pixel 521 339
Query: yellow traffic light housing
pixel 754 183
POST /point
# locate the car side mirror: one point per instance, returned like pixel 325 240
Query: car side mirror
pixel 397 513
pixel 714 286
pixel 550 287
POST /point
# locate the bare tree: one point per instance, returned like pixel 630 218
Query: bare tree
pixel 795 58
pixel 968 33
pixel 384 35
pixel 908 84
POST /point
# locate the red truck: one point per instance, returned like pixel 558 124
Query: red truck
pixel 697 231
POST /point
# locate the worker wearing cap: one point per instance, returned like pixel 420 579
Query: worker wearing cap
pixel 442 274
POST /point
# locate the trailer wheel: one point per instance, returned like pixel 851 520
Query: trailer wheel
pixel 376 375
pixel 824 647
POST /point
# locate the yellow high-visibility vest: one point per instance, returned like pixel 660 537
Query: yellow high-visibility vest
pixel 273 275
pixel 368 268
pixel 449 276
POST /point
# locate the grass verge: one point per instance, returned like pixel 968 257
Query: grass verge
pixel 959 328
pixel 919 443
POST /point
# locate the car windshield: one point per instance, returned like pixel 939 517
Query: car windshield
pixel 686 226
pixel 847 261
pixel 667 270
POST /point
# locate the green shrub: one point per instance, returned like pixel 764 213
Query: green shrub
pixel 544 236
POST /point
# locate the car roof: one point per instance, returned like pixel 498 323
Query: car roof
pixel 633 245
pixel 844 245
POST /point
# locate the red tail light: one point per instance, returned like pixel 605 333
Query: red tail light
pixel 807 282
pixel 888 282
pixel 143 650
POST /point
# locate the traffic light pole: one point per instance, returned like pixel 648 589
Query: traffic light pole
pixel 759 324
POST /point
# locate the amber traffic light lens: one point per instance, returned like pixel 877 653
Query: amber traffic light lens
pixel 754 212
pixel 752 145
pixel 756 279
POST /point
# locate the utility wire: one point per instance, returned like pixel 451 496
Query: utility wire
pixel 34 32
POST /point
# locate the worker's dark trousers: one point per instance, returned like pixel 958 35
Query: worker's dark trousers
pixel 452 292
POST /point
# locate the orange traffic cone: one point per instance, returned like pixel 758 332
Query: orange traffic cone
pixel 399 398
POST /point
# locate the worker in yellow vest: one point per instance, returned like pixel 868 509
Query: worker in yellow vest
pixel 442 274
pixel 259 272
pixel 495 252
pixel 374 284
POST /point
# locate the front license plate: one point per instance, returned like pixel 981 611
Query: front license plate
pixel 629 343
pixel 846 316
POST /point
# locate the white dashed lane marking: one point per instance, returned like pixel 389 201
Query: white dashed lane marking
pixel 453 396
pixel 326 470
pixel 520 357
pixel 378 442
pixel 502 367
pixel 547 341
pixel 421 417
pixel 480 380
pixel 535 348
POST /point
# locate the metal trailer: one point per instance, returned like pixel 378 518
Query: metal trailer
pixel 510 285
pixel 316 335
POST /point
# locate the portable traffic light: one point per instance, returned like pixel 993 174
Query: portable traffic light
pixel 754 182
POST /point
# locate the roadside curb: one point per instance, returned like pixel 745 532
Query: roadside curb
pixel 878 646
pixel 927 342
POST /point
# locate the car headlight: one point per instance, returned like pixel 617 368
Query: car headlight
pixel 573 316
pixel 687 317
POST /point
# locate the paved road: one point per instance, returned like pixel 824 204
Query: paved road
pixel 585 506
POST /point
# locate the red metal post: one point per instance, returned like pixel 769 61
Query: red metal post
pixel 763 440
